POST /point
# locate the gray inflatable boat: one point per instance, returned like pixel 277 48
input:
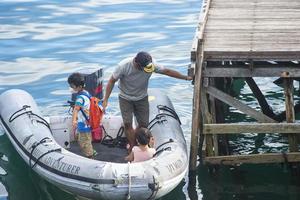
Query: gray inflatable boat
pixel 47 145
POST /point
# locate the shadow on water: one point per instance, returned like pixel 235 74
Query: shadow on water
pixel 29 185
pixel 259 182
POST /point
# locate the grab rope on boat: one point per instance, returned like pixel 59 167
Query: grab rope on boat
pixel 13 117
pixel 170 110
pixel 159 118
pixel 34 146
pixel 17 114
pixel 158 150
pixel 39 158
pixel 154 188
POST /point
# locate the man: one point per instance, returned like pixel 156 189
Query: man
pixel 133 75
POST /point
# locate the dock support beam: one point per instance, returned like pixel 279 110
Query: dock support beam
pixel 290 112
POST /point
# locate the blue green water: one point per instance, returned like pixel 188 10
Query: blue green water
pixel 42 42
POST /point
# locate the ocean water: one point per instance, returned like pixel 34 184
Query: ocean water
pixel 42 42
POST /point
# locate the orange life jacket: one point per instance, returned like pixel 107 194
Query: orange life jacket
pixel 95 116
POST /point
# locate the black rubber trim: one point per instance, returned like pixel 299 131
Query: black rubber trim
pixel 60 173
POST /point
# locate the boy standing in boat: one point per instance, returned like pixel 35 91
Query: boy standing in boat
pixel 80 113
pixel 133 75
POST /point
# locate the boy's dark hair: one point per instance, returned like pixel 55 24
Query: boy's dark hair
pixel 76 79
pixel 143 136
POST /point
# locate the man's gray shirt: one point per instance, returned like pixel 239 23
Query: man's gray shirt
pixel 133 83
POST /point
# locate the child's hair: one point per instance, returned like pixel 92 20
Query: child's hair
pixel 76 79
pixel 143 136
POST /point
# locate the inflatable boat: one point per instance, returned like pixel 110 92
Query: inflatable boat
pixel 48 146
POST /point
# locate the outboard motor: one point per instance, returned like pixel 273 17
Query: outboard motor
pixel 93 83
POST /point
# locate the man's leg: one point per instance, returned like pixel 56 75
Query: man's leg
pixel 126 108
pixel 130 134
pixel 141 112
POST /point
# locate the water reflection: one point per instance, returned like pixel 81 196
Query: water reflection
pixel 41 31
pixel 27 70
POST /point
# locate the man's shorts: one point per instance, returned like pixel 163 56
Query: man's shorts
pixel 85 143
pixel 140 109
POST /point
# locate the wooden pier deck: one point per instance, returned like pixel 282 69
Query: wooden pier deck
pixel 244 39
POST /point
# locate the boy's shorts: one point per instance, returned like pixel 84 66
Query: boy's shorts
pixel 139 108
pixel 85 143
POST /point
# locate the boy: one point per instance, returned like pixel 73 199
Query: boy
pixel 80 113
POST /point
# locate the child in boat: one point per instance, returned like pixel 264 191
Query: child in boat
pixel 80 113
pixel 142 152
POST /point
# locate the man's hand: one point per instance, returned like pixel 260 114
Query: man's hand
pixel 189 78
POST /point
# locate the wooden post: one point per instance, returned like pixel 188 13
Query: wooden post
pixel 214 138
pixel 196 120
pixel 195 124
pixel 290 113
pixel 207 119
pixel 197 59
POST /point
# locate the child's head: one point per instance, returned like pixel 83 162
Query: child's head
pixel 76 80
pixel 143 136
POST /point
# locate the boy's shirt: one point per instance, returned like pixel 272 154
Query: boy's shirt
pixel 84 103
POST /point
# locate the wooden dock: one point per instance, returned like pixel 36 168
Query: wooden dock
pixel 243 39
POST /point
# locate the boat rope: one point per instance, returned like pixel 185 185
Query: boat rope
pixel 157 120
pixel 39 158
pixel 158 150
pixel 13 117
pixel 129 181
pixel 119 141
pixel 161 150
pixel 170 110
pixel 169 141
pixel 154 188
pixel 34 146
pixel 17 114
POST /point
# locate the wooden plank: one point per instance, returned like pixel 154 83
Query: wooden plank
pixel 237 104
pixel 243 71
pixel 254 158
pixel 231 54
pixel 200 29
pixel 290 112
pixel 235 128
pixel 252 26
pixel 212 105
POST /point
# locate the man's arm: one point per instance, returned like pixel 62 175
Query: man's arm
pixel 110 85
pixel 175 74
